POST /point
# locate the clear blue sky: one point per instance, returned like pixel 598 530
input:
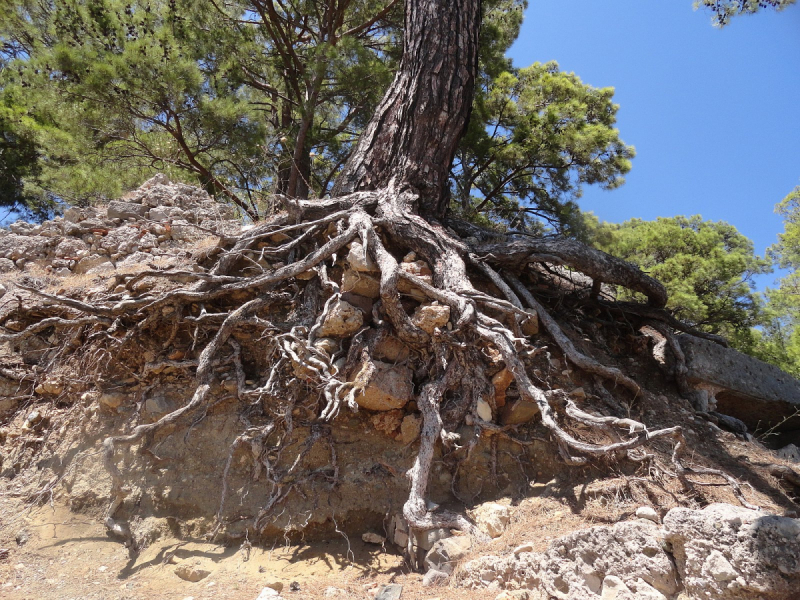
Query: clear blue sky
pixel 714 114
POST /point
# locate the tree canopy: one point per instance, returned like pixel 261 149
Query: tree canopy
pixel 706 266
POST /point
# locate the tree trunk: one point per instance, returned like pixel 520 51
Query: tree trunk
pixel 413 135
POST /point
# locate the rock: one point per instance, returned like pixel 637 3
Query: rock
pixel 118 209
pixel 268 594
pixel 759 394
pixel 526 547
pixel 373 538
pixel 435 578
pixel 615 589
pixel 22 537
pixel 530 326
pixel 93 262
pixel 50 387
pixel 343 320
pixel 360 260
pixel 391 349
pixel 388 422
pixel 389 592
pixel 157 405
pixel 492 518
pixel 789 452
pixel 518 411
pixel 725 551
pixel 72 249
pixel 7 265
pixel 484 410
pixel 191 572
pixel 112 400
pixel 514 595
pixel 334 592
pixel 578 564
pixel 327 345
pixel 421 269
pixel 578 393
pixel 430 316
pixel 410 428
pixel 361 284
pixel 390 387
pixel 501 381
pixel 427 539
pixel 275 585
pixel 646 512
pixel 445 554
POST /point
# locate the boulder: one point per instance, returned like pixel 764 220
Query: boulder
pixel 726 551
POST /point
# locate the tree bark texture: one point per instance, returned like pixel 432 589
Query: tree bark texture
pixel 412 137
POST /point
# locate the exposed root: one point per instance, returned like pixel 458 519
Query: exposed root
pixel 240 289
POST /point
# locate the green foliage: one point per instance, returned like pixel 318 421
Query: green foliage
pixel 706 266
pixel 723 10
pixel 537 135
pixel 779 340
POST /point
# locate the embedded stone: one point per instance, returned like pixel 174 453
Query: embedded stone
pixel 390 387
pixel 360 260
pixel 430 316
pixel 343 320
pixel 361 284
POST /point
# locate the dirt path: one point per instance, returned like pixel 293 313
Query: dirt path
pixel 69 557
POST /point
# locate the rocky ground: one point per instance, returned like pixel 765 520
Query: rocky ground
pixel 607 529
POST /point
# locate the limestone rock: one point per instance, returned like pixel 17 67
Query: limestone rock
pixel 191 572
pixel 492 518
pixel 50 387
pixel 390 592
pixel 361 284
pixel 501 381
pixel 789 452
pixel 518 411
pixel 391 349
pixel 93 263
pixel 269 594
pixel 578 564
pixel 389 388
pixel 445 554
pixel 360 260
pixel 419 268
pixel 430 316
pixel 410 428
pixel 388 422
pixel 72 249
pixel 726 551
pixel 373 538
pixel 484 410
pixel 434 577
pixel 647 512
pixel 343 320
pixel 117 209
pixel 111 400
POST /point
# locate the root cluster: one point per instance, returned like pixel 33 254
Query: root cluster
pixel 290 267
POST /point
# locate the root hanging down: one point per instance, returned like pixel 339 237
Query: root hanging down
pixel 415 263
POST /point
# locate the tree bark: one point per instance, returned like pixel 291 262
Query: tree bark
pixel 410 142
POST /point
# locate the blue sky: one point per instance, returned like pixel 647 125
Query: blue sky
pixel 714 114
